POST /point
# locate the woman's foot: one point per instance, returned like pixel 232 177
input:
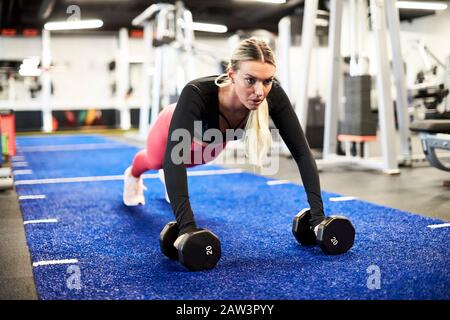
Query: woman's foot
pixel 133 189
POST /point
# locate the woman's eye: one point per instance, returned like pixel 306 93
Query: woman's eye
pixel 250 80
pixel 267 82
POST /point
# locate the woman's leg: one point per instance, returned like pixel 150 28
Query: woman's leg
pixel 152 157
pixel 148 159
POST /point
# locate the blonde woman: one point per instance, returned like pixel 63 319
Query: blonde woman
pixel 243 98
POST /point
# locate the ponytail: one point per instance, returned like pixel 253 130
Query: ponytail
pixel 258 138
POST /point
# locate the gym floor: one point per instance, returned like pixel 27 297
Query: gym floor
pixel 418 190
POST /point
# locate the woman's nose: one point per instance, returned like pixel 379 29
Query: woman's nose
pixel 259 89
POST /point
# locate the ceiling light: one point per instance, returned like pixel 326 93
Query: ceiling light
pixel 421 5
pixel 207 27
pixel 74 25
pixel 266 1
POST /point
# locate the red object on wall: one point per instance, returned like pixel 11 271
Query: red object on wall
pixel 137 33
pixel 30 32
pixel 9 128
pixel 8 32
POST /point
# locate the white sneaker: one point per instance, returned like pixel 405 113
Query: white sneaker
pixel 161 177
pixel 133 189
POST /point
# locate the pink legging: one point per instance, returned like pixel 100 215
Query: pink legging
pixel 152 157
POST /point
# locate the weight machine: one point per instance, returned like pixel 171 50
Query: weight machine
pixel 380 11
pixel 167 32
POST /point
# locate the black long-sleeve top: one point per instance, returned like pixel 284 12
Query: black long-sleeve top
pixel 199 101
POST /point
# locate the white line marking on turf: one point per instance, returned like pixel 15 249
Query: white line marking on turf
pixel 436 226
pixel 20 164
pixel 51 262
pixel 40 221
pixel 337 199
pixel 120 177
pixel 22 172
pixel 277 182
pixel 68 180
pixel 213 172
pixel 73 147
pixel 18 158
pixel 32 197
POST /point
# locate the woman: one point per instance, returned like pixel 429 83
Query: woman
pixel 243 98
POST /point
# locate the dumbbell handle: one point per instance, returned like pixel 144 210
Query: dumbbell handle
pixel 177 242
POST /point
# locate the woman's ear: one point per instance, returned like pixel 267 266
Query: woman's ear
pixel 231 74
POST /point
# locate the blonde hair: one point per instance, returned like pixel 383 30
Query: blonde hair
pixel 258 138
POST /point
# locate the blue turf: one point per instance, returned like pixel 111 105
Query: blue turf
pixel 118 252
pixel 63 139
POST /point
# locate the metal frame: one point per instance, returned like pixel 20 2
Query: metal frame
pixel 144 111
pixel 399 78
pixel 283 44
pixel 123 79
pixel 46 82
pixel 308 36
pixel 163 18
pixel 385 102
pixel 333 103
pixel 149 21
pixel 431 142
pixel 388 164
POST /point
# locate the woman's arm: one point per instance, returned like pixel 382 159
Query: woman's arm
pixel 189 109
pixel 286 121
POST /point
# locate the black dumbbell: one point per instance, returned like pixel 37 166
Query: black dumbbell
pixel 301 228
pixel 335 234
pixel 167 237
pixel 197 250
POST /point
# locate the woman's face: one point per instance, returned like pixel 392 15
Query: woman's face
pixel 252 82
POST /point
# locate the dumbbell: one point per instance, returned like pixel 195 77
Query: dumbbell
pixel 197 250
pixel 335 234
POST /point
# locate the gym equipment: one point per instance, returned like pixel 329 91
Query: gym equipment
pixel 315 124
pixel 380 11
pixel 197 250
pixel 358 118
pixel 6 180
pixel 8 134
pixel 335 234
pixel 6 183
pixel 435 134
pixel 5 172
pixel 301 228
pixel 167 237
pixel 1 145
pixel 171 44
pixel 7 147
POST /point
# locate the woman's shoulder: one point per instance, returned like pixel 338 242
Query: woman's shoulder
pixel 277 91
pixel 276 86
pixel 203 84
